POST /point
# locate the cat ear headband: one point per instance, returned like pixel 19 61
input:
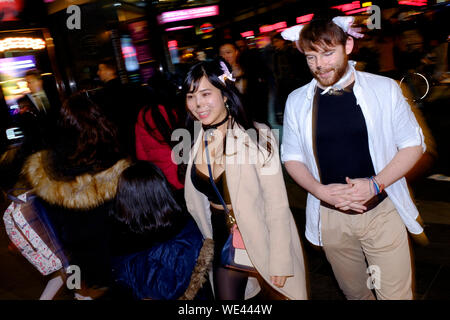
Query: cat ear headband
pixel 226 73
pixel 345 23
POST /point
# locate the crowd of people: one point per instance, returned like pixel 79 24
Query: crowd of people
pixel 141 224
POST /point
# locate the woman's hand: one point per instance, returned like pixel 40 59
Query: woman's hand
pixel 278 281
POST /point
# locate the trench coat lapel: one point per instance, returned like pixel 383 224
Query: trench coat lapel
pixel 232 167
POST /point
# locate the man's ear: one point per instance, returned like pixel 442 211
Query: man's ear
pixel 349 45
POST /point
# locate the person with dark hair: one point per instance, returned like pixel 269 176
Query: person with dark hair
pixel 120 103
pixel 234 179
pixel 251 75
pixel 37 115
pixel 230 53
pixel 154 127
pixel 349 139
pixel 76 181
pixel 159 253
pixel 289 73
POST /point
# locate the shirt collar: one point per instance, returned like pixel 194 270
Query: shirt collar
pixel 313 83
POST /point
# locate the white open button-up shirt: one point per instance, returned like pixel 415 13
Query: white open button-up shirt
pixel 391 126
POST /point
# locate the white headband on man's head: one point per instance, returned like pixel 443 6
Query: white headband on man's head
pixel 345 23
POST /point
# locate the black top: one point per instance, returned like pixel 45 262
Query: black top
pixel 202 183
pixel 341 138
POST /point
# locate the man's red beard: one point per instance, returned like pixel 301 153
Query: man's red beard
pixel 339 72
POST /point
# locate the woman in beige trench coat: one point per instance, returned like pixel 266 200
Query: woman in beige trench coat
pixel 244 156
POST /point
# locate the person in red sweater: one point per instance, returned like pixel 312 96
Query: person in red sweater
pixel 154 127
pixel 151 143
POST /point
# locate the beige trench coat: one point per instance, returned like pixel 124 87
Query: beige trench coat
pixel 260 204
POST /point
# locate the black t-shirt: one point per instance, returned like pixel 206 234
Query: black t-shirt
pixel 341 138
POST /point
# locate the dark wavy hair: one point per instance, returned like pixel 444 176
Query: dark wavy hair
pixel 212 71
pixel 145 201
pixel 85 137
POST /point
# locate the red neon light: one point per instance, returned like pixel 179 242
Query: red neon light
pixel 264 29
pixel 357 10
pixel 413 3
pixel 186 14
pixel 247 34
pixel 279 25
pixel 348 6
pixel 172 44
pixel 305 18
pixel 179 28
pixel 269 28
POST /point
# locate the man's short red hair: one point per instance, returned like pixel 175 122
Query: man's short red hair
pixel 320 34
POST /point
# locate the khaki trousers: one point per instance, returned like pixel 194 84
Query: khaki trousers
pixel 378 236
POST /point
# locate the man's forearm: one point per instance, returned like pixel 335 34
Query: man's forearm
pixel 399 166
pixel 300 173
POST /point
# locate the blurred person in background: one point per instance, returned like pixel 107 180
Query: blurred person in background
pixel 120 103
pixel 76 181
pixel 155 123
pixel 37 112
pixel 230 53
pixel 289 71
pixel 251 74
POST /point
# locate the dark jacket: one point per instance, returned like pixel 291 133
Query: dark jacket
pixel 176 268
pixel 78 201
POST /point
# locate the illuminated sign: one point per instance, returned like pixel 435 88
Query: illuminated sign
pixel 304 19
pixel 12 73
pixel 354 7
pixel 206 28
pixel 276 26
pixel 21 43
pixel 129 54
pixel 179 28
pixel 247 34
pixel 173 44
pixel 418 3
pixel 348 6
pixel 186 14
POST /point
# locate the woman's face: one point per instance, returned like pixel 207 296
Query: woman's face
pixel 229 53
pixel 207 104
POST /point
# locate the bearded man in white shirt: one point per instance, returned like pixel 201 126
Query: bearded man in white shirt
pixel 349 138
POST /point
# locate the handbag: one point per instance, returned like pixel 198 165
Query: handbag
pixel 30 230
pixel 233 255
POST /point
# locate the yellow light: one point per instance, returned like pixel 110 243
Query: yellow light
pixel 366 4
pixel 21 43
